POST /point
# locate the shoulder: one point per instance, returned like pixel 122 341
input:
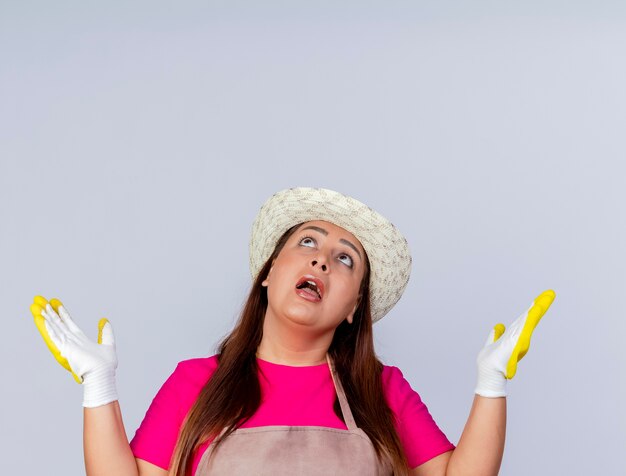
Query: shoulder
pixel 198 367
pixel 190 376
pixel 393 379
pixel 155 438
pixel 398 392
pixel 391 374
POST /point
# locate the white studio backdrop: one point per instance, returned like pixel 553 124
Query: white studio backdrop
pixel 139 139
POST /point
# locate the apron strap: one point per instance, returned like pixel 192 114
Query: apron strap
pixel 343 401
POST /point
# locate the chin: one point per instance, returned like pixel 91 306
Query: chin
pixel 305 315
pixel 302 318
pixel 305 318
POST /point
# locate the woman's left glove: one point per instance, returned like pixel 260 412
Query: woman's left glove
pixel 497 361
pixel 90 363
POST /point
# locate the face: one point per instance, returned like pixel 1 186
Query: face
pixel 315 279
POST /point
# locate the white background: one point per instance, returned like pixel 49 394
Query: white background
pixel 139 139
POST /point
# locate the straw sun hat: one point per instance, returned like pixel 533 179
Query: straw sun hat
pixel 386 248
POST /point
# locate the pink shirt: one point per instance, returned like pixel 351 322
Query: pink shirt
pixel 294 396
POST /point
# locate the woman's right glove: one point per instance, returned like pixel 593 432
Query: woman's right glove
pixel 497 361
pixel 92 364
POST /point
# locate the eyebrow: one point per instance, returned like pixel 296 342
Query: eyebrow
pixel 325 233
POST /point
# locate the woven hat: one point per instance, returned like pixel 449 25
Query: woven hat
pixel 386 248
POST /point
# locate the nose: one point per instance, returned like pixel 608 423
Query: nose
pixel 316 262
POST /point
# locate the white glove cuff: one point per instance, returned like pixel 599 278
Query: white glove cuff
pixel 99 387
pixel 491 383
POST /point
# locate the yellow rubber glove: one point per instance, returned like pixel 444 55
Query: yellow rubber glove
pixel 497 361
pixel 92 364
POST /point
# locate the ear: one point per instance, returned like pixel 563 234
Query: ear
pixel 350 316
pixel 266 281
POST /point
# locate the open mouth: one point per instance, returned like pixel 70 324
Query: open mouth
pixel 311 287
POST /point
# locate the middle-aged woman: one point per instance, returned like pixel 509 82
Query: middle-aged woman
pixel 296 388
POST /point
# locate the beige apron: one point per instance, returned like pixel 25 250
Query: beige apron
pixel 296 450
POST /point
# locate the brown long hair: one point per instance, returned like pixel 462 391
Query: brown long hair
pixel 233 394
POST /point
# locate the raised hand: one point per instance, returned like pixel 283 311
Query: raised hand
pixel 90 363
pixel 498 359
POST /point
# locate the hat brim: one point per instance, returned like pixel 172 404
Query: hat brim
pixel 386 248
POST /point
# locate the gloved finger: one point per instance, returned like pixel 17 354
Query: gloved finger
pixel 515 327
pixel 40 301
pixel 60 308
pixel 61 329
pixel 53 331
pixel 49 335
pixel 51 315
pixel 71 330
pixel 56 334
pixel 499 330
pixel 56 304
pixel 495 334
pixel 535 313
pixel 105 332
pixel 52 335
pixel 39 305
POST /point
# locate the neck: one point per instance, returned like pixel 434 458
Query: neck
pixel 287 344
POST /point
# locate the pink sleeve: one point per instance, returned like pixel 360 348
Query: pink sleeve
pixel 155 439
pixel 421 438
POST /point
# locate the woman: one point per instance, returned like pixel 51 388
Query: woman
pixel 299 369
